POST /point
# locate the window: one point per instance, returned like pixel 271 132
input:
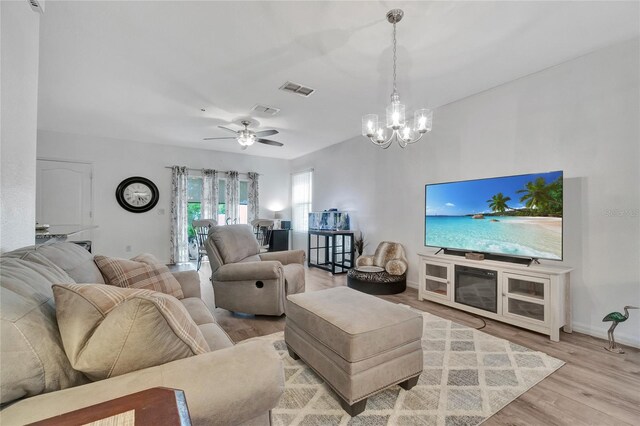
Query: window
pixel 222 209
pixel 194 196
pixel 194 199
pixel 301 191
pixel 243 209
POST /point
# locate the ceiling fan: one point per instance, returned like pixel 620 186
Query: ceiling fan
pixel 246 137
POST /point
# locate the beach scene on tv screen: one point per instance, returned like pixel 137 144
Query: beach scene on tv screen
pixel 513 215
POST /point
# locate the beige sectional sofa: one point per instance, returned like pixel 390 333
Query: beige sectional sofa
pixel 232 384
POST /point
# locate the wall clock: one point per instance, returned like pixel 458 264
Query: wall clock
pixel 137 194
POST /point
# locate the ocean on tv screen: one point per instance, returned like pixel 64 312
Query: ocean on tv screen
pixel 514 215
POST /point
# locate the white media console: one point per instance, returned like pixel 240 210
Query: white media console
pixel 535 297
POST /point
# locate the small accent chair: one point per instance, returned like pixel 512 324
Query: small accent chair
pixel 262 229
pixel 383 273
pixel 245 280
pixel 201 227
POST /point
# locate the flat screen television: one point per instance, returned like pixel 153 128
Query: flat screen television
pixel 519 216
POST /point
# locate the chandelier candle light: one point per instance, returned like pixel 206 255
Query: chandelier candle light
pixel 401 129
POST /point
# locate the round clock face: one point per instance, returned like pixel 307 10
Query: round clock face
pixel 137 194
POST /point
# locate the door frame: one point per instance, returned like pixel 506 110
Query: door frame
pixel 91 181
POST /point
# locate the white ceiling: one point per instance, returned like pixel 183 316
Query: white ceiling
pixel 143 70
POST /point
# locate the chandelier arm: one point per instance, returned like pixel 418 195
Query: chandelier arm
pixel 388 141
pixel 415 140
pixel 374 142
pixel 384 144
pixel 400 140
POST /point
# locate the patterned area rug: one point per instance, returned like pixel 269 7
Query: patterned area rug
pixel 468 376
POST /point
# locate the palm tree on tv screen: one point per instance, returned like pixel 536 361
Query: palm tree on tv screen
pixel 536 194
pixel 498 203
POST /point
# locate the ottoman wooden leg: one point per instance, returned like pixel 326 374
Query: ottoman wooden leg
pixel 409 383
pixel 292 354
pixel 355 409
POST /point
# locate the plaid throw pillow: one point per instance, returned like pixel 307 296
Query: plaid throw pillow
pixel 108 331
pixel 142 272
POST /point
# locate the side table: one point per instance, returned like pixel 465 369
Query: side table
pixel 332 251
pixel 279 240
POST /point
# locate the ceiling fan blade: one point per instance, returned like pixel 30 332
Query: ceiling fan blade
pixel 266 133
pixel 228 129
pixel 269 142
pixel 210 139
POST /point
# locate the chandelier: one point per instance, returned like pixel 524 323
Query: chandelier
pixel 400 129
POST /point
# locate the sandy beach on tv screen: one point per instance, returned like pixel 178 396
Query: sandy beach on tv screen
pixel 550 223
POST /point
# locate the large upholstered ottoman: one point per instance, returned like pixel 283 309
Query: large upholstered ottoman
pixel 359 344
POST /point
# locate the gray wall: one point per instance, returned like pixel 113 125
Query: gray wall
pixel 114 160
pixel 20 28
pixel 580 116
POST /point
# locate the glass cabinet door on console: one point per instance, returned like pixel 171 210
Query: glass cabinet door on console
pixel 525 297
pixel 437 279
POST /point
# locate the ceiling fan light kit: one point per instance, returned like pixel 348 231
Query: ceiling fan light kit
pixel 400 128
pixel 246 137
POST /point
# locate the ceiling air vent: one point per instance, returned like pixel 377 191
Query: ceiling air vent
pixel 266 110
pixel 298 89
pixel 37 5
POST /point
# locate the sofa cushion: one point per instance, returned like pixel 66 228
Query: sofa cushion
pixel 215 336
pixel 72 258
pixel 234 242
pixel 32 358
pixel 140 272
pixel 147 258
pixel 108 331
pixel 253 258
pixel 198 310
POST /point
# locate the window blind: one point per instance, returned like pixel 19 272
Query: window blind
pixel 301 194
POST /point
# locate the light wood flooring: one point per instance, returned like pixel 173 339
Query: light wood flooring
pixel 594 387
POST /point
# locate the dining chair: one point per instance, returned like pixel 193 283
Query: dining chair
pixel 201 228
pixel 262 229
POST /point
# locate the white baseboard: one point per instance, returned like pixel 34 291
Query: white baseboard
pixel 412 284
pixel 621 337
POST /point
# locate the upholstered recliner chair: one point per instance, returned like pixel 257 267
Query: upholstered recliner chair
pixel 383 273
pixel 245 280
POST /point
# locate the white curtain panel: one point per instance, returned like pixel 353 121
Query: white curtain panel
pixel 209 201
pixel 232 197
pixel 301 195
pixel 179 237
pixel 254 196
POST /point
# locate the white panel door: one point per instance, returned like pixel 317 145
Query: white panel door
pixel 63 193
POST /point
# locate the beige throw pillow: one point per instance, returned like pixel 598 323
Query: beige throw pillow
pixel 108 331
pixel 143 271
